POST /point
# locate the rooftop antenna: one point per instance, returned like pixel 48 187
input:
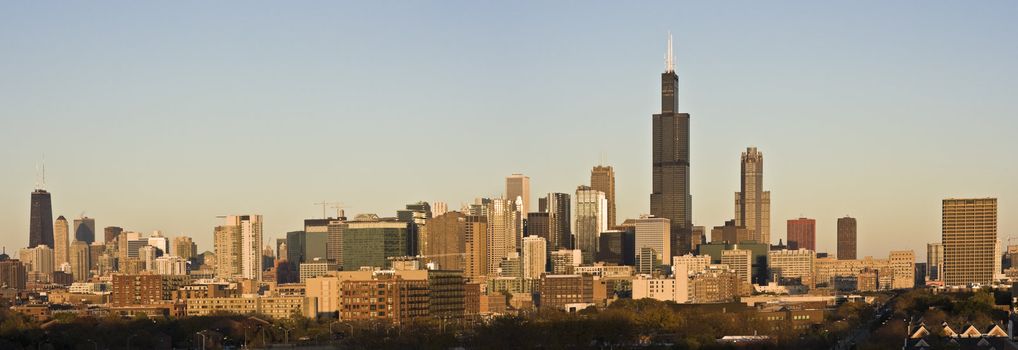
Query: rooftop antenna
pixel 669 57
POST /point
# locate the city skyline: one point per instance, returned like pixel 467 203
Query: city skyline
pixel 171 188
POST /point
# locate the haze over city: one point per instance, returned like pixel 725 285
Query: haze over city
pixel 156 118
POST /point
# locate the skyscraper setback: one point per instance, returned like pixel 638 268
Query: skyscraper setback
pixel 40 227
pixel 602 178
pixel 670 198
pixel 752 203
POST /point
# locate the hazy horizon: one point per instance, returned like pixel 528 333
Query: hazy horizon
pixel 161 118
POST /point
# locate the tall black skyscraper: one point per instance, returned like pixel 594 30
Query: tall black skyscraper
pixel 40 227
pixel 671 198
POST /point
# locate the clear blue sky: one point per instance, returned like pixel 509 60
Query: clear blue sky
pixel 164 115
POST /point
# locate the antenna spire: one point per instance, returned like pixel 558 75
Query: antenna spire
pixel 669 56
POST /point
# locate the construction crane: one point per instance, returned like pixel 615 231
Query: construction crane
pixel 325 205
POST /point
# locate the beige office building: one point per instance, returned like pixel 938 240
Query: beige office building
pixel 518 185
pixel 61 242
pixel 903 265
pixel 602 178
pixel 969 236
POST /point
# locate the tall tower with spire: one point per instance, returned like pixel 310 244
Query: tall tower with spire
pixel 40 226
pixel 670 198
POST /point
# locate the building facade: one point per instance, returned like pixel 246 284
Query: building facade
pixel 847 239
pixel 752 203
pixel 969 237
pixel 591 213
pixel 802 234
pixel 602 178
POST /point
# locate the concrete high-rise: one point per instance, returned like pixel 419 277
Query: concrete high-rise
pixel 79 259
pixel 802 234
pixel 239 247
pixel 475 242
pixel 84 229
pixel 60 241
pixel 602 178
pixel 752 203
pixel 671 197
pixel 591 219
pixel 504 223
pixel 184 247
pixel 535 256
pixel 969 236
pixel 40 226
pixel 847 238
pixel 518 185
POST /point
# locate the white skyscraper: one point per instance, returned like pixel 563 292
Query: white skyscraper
pixel 591 218
pixel 535 256
pixel 504 227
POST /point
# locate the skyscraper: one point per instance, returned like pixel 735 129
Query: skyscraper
pixel 475 241
pixel 752 203
pixel 184 247
pixel 602 178
pixel 84 229
pixel 802 234
pixel 670 198
pixel 518 185
pixel 504 223
pixel 560 234
pixel 40 227
pixel 969 236
pixel 591 214
pixel 79 259
pixel 239 247
pixel 61 243
pixel 846 238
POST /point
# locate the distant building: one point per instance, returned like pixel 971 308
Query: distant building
pixel 84 229
pixel 61 251
pixel 739 260
pixel 558 206
pixel 13 273
pixel 184 247
pixel 790 266
pixel 602 178
pixel 110 233
pixel 564 260
pixel 445 242
pixel 618 246
pixel 758 251
pixel 969 238
pixel 730 233
pixel 559 291
pixel 535 256
pixel 316 268
pixel 802 233
pixel 80 261
pixel 847 238
pixel 715 285
pixel 475 243
pixel 145 289
pixel 752 203
pixel 278 307
pixel 591 213
pixel 903 267
pixel 40 226
pixel 518 185
pixel 376 242
pixel 653 233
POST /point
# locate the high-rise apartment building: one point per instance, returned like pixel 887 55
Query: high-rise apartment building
pixel 445 243
pixel 39 261
pixel 238 245
pixel 564 260
pixel 518 186
pixel 591 210
pixel 752 203
pixel 969 236
pixel 654 233
pixel 602 178
pixel 84 229
pixel 535 256
pixel 40 227
pixel 560 234
pixel 61 242
pixel 505 230
pixel 671 197
pixel 934 261
pixel 847 238
pixel 802 234
pixel 475 243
